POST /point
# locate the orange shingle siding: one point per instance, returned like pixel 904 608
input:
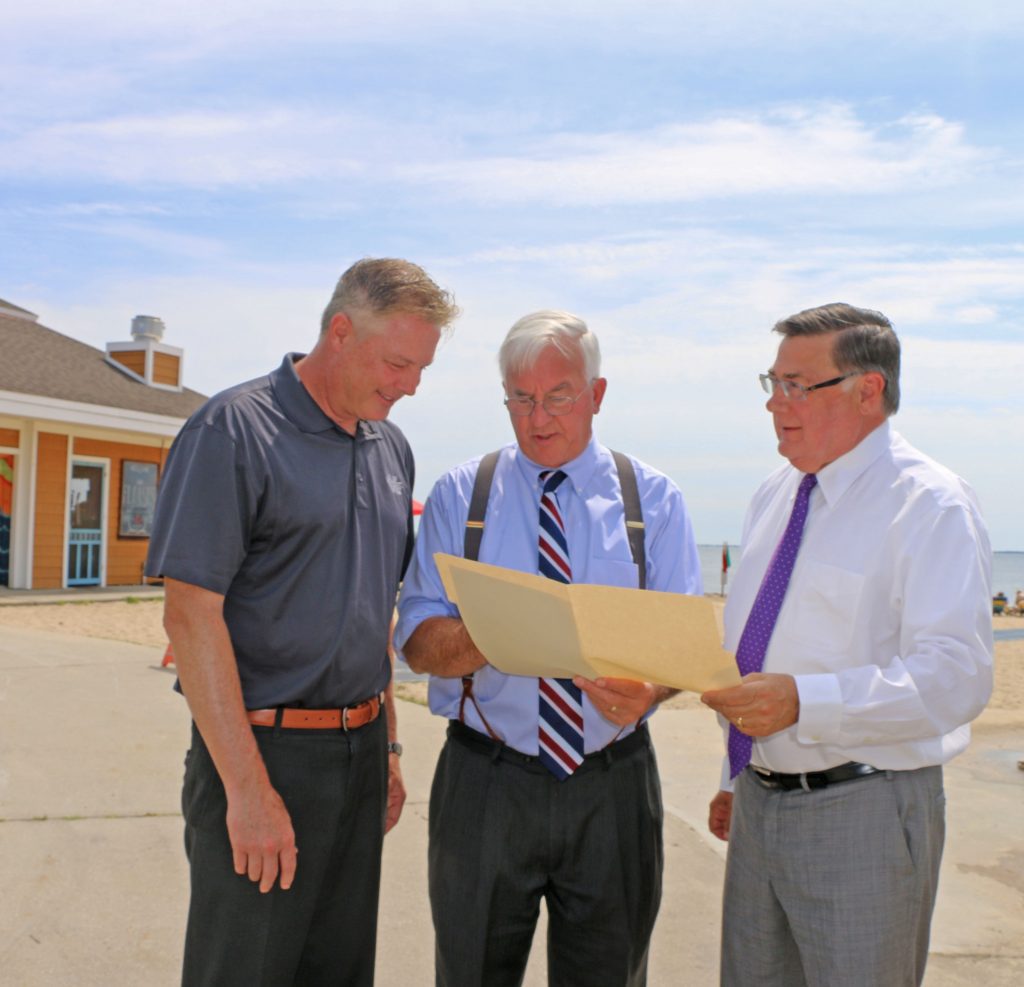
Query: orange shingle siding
pixel 134 360
pixel 166 369
pixel 51 500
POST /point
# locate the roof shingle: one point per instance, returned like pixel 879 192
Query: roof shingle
pixel 36 360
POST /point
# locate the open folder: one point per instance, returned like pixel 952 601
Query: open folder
pixel 526 624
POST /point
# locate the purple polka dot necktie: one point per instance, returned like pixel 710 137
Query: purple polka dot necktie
pixel 560 725
pixel 765 611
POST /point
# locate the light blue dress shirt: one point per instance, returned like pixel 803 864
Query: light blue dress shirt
pixel 591 504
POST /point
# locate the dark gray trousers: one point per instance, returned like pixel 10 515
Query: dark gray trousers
pixel 504 833
pixel 833 887
pixel 322 931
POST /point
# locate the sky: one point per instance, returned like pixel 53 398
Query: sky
pixel 679 174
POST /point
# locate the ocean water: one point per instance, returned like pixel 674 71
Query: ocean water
pixel 1007 569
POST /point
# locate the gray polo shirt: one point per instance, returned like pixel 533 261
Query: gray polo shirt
pixel 302 527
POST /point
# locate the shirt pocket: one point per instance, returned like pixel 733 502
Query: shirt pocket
pixel 824 612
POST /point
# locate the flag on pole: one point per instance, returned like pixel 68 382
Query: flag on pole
pixel 726 561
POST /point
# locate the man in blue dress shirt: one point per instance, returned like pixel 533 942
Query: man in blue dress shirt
pixel 504 830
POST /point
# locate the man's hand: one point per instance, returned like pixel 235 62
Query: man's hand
pixel 621 701
pixel 762 704
pixel 259 826
pixel 396 793
pixel 720 815
pixel 262 838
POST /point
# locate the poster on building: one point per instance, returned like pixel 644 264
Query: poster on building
pixel 138 499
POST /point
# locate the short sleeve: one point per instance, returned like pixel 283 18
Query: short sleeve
pixel 204 511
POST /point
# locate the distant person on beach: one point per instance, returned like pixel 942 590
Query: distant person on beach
pixel 860 617
pixel 282 530
pixel 546 788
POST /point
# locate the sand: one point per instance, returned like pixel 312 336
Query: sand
pixel 140 622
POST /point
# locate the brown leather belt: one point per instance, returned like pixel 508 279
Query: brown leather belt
pixel 297 718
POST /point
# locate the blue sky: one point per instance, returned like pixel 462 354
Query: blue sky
pixel 680 174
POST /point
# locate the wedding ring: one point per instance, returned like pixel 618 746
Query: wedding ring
pixel 614 709
pixel 739 722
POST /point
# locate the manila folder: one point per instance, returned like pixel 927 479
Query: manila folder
pixel 525 624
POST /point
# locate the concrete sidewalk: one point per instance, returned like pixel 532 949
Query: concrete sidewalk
pixel 95 887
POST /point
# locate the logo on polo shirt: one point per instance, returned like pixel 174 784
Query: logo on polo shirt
pixel 396 484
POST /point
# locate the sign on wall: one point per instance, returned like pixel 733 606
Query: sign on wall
pixel 138 499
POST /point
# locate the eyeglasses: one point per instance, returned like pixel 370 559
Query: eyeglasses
pixel 554 404
pixel 794 391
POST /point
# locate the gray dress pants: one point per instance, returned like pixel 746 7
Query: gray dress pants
pixel 833 887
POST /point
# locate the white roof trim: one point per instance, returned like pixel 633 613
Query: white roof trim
pixel 58 410
pixel 140 345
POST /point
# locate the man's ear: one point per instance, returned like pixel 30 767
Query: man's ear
pixel 871 389
pixel 600 386
pixel 340 328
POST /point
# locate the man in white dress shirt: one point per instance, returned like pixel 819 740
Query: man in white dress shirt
pixel 879 658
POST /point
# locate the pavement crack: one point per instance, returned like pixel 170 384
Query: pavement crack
pixel 83 817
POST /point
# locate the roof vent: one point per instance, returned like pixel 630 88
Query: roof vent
pixel 147 327
pixel 146 358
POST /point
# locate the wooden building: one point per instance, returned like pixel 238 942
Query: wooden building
pixel 83 437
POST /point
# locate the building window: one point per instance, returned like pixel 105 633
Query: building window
pixel 138 499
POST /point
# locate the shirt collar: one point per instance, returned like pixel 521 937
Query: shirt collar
pixel 300 408
pixel 836 478
pixel 578 470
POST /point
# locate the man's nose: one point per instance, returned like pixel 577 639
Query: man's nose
pixel 411 380
pixel 539 412
pixel 776 401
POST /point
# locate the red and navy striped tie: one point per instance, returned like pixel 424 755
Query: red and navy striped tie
pixel 560 728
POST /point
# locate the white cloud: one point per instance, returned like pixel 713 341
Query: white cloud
pixel 196 149
pixel 817 150
pixel 681 351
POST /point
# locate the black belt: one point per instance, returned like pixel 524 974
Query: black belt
pixel 498 751
pixel 813 779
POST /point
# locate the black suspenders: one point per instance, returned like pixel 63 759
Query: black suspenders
pixel 475 533
pixel 630 501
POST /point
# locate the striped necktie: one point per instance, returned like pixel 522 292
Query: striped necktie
pixel 560 727
pixel 757 632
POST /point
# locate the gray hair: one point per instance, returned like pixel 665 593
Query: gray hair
pixel 865 342
pixel 533 333
pixel 385 285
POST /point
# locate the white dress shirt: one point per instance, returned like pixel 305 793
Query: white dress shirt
pixel 886 625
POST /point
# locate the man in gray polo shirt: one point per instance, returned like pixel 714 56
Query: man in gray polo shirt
pixel 282 530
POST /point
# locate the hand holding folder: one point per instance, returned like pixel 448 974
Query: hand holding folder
pixel 525 624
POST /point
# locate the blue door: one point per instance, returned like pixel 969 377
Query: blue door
pixel 85 538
